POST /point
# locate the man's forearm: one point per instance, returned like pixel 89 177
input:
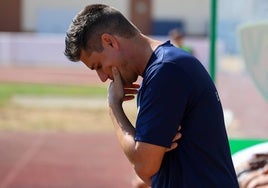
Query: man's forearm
pixel 125 133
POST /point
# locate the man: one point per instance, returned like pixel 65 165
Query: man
pixel 251 166
pixel 254 172
pixel 177 38
pixel 176 90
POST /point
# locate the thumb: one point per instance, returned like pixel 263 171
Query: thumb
pixel 116 75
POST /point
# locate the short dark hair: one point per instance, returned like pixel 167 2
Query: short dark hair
pixel 89 24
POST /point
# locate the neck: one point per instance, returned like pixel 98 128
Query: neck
pixel 144 49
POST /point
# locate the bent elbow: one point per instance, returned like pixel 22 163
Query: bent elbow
pixel 145 173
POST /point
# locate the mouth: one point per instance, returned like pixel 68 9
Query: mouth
pixel 110 77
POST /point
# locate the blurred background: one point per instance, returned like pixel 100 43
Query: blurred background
pixel 54 126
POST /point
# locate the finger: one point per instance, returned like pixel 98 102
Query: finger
pixel 128 97
pixel 261 180
pixel 172 147
pixel 130 91
pixel 136 86
pixel 116 75
pixel 177 137
pixel 248 178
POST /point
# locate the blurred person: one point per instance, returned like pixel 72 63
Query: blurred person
pixel 177 37
pixel 251 165
pixel 255 172
pixel 175 90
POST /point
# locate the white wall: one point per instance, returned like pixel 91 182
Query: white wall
pixel 26 49
pixel 36 49
pixel 31 8
pixel 195 13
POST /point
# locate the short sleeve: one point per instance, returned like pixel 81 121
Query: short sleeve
pixel 162 104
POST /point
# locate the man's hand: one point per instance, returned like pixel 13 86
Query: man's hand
pixel 174 143
pixel 255 179
pixel 117 93
pixel 137 182
pixel 255 172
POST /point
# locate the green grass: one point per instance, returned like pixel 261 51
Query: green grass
pixel 8 90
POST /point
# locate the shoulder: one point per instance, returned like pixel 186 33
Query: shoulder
pixel 166 79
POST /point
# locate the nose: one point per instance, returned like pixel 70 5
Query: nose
pixel 103 77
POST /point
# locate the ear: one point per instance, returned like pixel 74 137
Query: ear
pixel 109 41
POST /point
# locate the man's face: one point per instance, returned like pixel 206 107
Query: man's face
pixel 95 62
pixel 103 62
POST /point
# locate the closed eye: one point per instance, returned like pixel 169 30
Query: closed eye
pixel 98 67
pixel 92 67
pixel 95 67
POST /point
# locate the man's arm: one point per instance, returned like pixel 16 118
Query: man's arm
pixel 137 182
pixel 145 158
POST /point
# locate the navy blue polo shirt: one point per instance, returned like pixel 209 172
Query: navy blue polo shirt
pixel 177 90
